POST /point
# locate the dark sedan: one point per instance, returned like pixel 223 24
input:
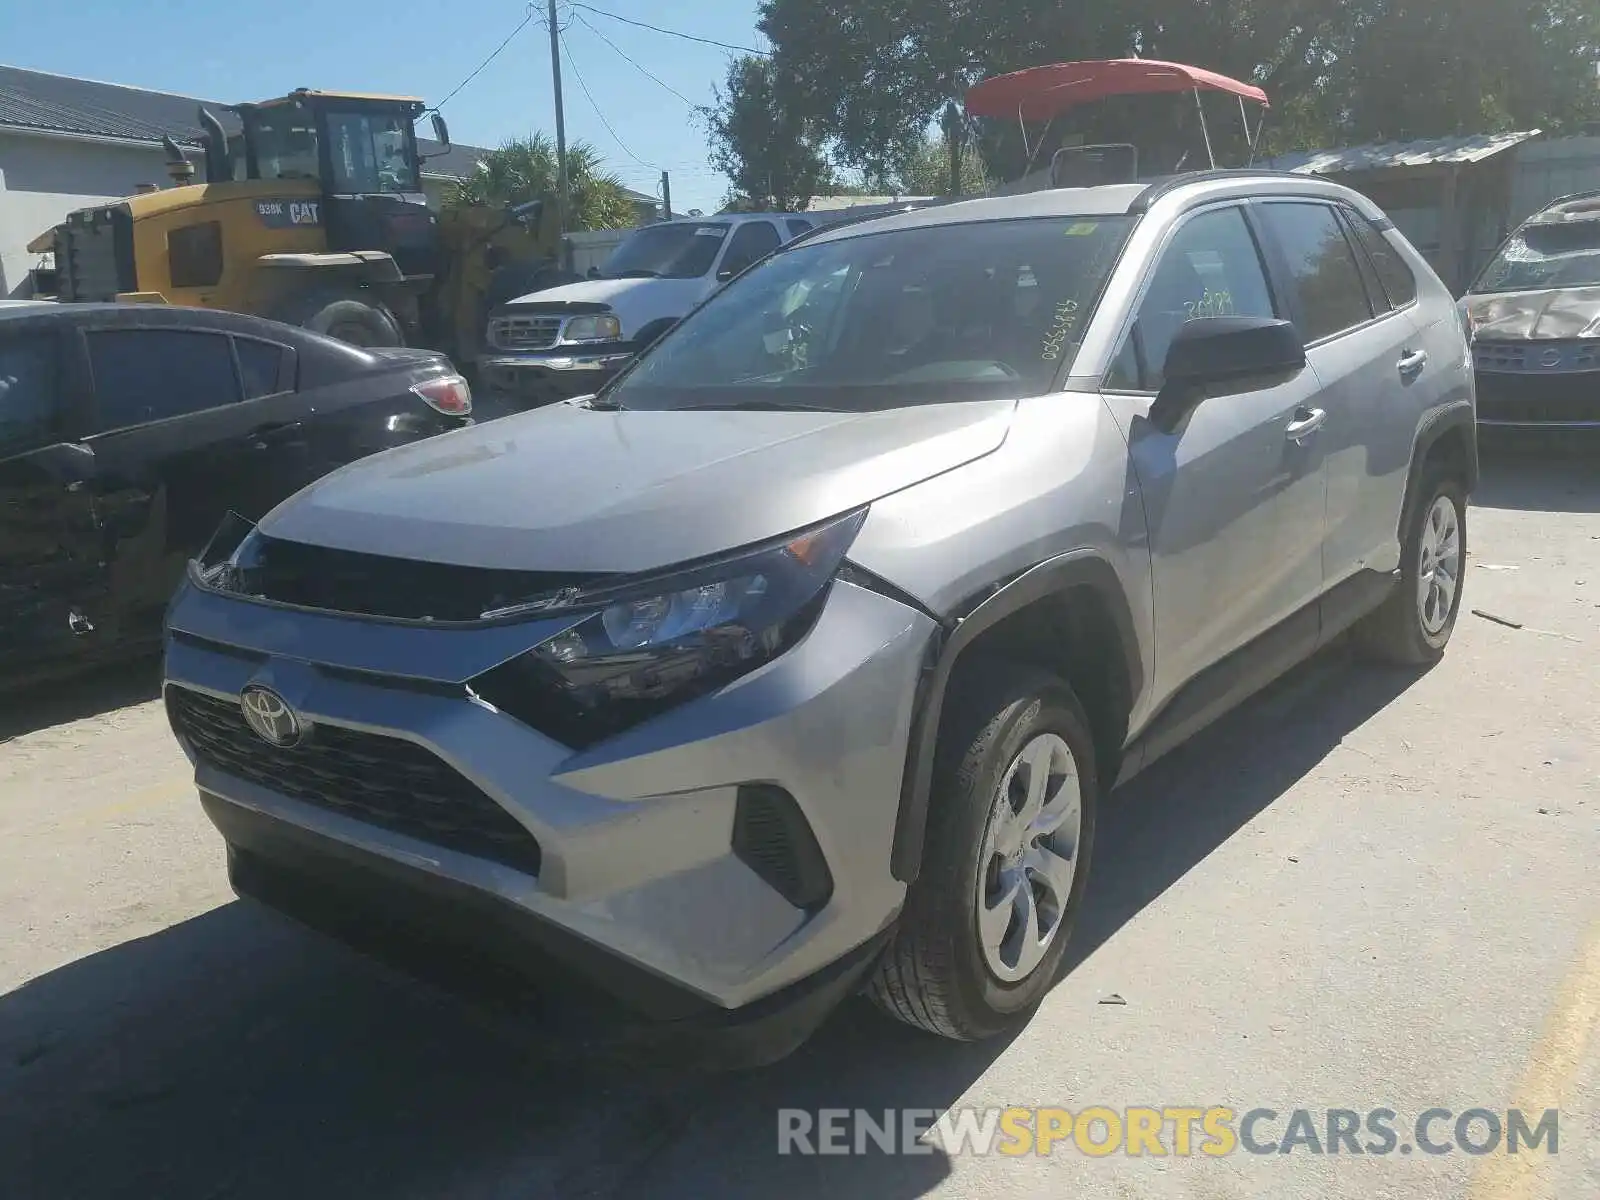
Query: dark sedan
pixel 128 432
pixel 1535 312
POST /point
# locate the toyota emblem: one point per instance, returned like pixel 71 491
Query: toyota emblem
pixel 270 716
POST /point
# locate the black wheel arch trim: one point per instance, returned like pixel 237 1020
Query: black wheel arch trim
pixel 1429 433
pixel 1066 572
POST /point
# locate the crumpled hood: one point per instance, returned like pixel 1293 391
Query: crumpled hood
pixel 1557 313
pixel 567 488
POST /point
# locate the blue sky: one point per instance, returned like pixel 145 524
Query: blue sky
pixel 420 47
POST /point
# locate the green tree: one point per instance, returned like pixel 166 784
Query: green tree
pixel 880 72
pixel 763 140
pixel 925 172
pixel 524 169
pixel 1449 67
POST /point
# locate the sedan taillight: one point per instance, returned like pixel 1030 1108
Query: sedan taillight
pixel 449 395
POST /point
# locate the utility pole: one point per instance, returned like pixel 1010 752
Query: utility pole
pixel 666 196
pixel 563 182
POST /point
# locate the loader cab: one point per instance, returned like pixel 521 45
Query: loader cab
pixel 362 152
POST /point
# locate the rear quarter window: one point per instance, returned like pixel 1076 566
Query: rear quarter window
pixel 260 366
pixel 1394 273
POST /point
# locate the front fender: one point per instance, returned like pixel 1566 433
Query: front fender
pixel 1054 576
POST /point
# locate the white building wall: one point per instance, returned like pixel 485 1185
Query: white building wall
pixel 42 179
pixel 591 247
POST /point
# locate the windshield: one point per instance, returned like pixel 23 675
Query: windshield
pixel 1545 256
pixel 286 143
pixel 371 152
pixel 943 312
pixel 675 251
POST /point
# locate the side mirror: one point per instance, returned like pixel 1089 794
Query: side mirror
pixel 441 131
pixel 1211 351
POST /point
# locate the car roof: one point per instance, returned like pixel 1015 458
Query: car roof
pixel 1580 206
pixel 1109 200
pixel 734 217
pixel 166 314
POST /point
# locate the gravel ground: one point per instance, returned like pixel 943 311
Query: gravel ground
pixel 1365 890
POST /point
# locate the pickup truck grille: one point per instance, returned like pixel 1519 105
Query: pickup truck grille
pixel 94 254
pixel 524 332
pixel 383 781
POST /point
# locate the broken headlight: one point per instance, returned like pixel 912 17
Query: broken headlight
pixel 651 646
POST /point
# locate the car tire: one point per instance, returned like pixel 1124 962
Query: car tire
pixel 1414 623
pixel 939 973
pixel 348 319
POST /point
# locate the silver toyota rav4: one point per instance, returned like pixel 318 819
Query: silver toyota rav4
pixel 798 661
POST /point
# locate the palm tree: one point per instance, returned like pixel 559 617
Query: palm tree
pixel 524 169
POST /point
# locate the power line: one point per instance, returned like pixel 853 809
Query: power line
pixel 688 37
pixel 578 75
pixel 587 25
pixel 526 20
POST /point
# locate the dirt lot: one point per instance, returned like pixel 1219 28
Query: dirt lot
pixel 1367 890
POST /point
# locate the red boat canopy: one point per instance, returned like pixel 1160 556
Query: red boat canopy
pixel 1040 93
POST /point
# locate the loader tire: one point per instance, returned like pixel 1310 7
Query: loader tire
pixel 349 318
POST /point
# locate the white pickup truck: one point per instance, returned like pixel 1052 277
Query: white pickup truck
pixel 566 341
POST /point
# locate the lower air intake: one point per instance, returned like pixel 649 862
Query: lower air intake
pixel 772 838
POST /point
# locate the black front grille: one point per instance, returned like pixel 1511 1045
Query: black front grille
pixel 1539 399
pixel 374 585
pixel 94 254
pixel 1538 355
pixel 383 781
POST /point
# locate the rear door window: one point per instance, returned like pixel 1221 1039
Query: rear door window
pixel 145 375
pixel 798 226
pixel 29 401
pixel 1322 268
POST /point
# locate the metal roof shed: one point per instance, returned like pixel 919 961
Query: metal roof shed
pixel 1451 195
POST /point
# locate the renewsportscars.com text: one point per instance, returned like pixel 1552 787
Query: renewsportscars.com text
pixel 1177 1130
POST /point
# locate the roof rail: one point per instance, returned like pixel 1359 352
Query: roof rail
pixel 1161 187
pixel 902 207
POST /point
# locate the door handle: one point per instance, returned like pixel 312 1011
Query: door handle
pixel 266 435
pixel 1306 421
pixel 1412 361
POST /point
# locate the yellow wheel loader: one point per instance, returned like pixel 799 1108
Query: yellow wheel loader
pixel 312 214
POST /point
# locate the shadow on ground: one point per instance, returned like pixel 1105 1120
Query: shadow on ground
pixel 1544 476
pixel 31 707
pixel 234 1056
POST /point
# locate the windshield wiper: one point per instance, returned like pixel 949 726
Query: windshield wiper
pixel 636 273
pixel 761 406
